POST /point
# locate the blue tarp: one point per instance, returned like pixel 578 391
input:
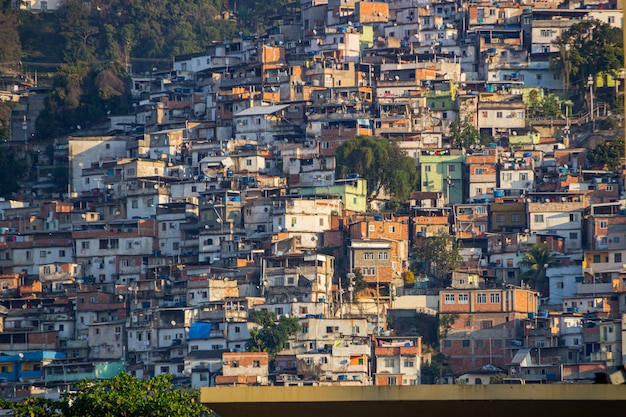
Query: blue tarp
pixel 199 331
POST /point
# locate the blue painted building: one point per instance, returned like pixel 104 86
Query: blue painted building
pixel 27 365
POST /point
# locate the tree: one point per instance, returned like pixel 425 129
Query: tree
pixel 381 162
pixel 83 96
pixel 10 45
pixel 408 277
pixel 5 121
pixel 538 259
pixel 587 48
pixel 464 132
pixel 546 106
pixel 438 255
pixel 273 335
pixel 607 154
pixel 13 169
pixel 123 395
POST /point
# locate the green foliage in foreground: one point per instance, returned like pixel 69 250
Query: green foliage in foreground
pixel 122 396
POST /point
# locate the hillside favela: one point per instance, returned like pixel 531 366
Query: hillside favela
pixel 311 193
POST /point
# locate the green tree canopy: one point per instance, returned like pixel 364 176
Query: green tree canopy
pixel 607 154
pixel 10 45
pixel 13 170
pixel 465 133
pixel 121 396
pixel 587 48
pixel 546 106
pixel 537 260
pixel 273 334
pixel 83 96
pixel 381 162
pixel 438 255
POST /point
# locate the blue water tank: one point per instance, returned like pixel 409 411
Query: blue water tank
pixel 498 193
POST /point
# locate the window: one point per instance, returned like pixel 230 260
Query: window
pixel 497 343
pixel 447 343
pixel 573 217
pixel 368 256
pixel 463 298
pixel 134 204
pixel 545 33
pixel 538 218
pixel 516 218
pixel 390 362
pixel 500 218
pixel 486 324
pixel 596 259
pixel 507 176
pixel 479 343
pixel 449 299
pixel 481 298
pixel 256 364
pixel 479 171
pixel 42 253
pixel 523 176
pixel 409 363
pixel 480 210
pixel 234 364
pixel 559 285
pixel 392 380
pixel 426 168
pixel 617 258
pixel 604 224
pixel 573 235
pixel 383 256
pixel 61 253
pixel 329 329
pixel 465 343
pixel 392 229
pixel 499 114
pixel 369 271
pixel 451 168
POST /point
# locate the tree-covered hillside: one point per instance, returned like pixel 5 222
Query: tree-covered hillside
pixel 118 30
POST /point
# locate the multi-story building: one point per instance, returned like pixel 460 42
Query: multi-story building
pixel 443 172
pixel 398 360
pixel 483 326
pixel 482 176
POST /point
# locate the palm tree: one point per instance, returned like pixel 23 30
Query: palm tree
pixel 538 259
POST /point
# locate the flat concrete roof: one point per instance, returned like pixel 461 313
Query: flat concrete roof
pixel 552 400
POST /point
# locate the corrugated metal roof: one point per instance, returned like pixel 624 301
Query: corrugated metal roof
pixel 261 110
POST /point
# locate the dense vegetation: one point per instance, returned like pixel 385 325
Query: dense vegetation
pixel 273 334
pixel 83 95
pixel 123 395
pixel 382 162
pixel 148 31
pixel 589 47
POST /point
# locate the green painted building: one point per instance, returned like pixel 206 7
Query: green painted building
pixel 444 173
